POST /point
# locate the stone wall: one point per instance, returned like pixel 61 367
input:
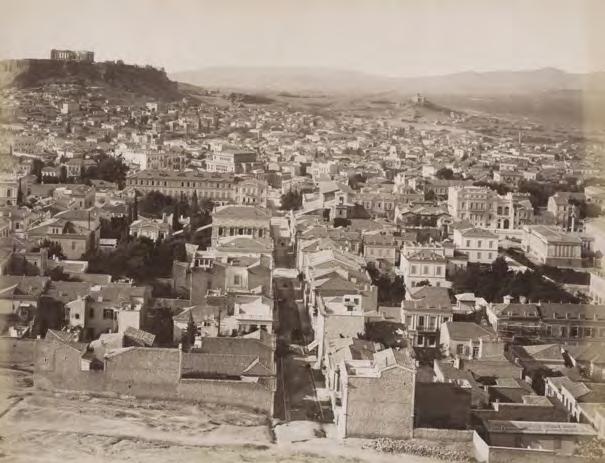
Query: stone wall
pixel 457 435
pixel 485 453
pixel 235 393
pixel 381 407
pixel 143 372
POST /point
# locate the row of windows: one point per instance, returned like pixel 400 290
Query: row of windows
pixel 379 252
pixel 425 270
pixel 233 231
pixel 576 332
pixel 108 314
pixel 369 205
pixel 480 243
pixel 173 184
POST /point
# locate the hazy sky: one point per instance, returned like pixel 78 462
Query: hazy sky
pixel 393 37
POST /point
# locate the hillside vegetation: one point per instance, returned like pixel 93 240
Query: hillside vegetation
pixel 117 77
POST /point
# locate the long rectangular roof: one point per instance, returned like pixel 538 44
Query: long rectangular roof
pixel 539 427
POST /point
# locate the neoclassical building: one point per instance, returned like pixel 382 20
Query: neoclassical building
pixel 251 221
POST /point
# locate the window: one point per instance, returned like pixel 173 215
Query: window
pixel 107 314
pixel 475 352
pixel 574 332
pixel 468 243
pixel 491 244
pixel 413 271
pixel 420 321
pixel 77 316
pixel 437 270
pixel 459 349
pixel 237 280
pixel 478 255
pixel 91 313
pixel 479 243
pixel 425 270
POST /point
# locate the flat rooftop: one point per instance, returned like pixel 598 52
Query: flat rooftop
pixel 539 427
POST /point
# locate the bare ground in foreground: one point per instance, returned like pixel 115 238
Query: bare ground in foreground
pixel 39 426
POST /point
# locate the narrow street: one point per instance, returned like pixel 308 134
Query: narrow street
pixel 296 396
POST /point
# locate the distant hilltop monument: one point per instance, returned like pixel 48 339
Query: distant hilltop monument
pixel 72 55
pixel 418 99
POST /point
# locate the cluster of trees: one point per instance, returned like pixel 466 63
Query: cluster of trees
pixel 53 249
pixel 291 201
pixel 391 289
pixel 586 210
pixel 497 281
pixel 356 181
pixel 138 258
pixel 116 227
pixel 108 168
pixel 445 173
pixel 501 188
pixel 539 192
pixel 141 258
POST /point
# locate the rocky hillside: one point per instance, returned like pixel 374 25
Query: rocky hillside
pixel 120 78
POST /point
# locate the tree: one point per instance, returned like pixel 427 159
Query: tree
pixel 19 194
pixel 341 222
pixel 206 205
pixel 356 180
pixel 291 201
pixel 58 274
pixel 445 173
pixel 500 268
pixel 195 207
pixel 37 166
pixel 496 281
pixel 155 204
pixel 63 174
pixel 53 249
pixel 114 227
pixel 162 325
pixel 188 339
pixel 430 196
pixel 391 289
pixel 176 224
pixel 500 188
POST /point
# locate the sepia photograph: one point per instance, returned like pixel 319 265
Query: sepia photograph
pixel 303 231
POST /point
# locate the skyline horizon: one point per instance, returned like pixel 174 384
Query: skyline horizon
pixel 322 68
pixel 393 38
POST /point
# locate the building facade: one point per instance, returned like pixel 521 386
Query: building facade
pixel 219 188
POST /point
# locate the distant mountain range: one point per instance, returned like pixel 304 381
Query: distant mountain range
pixel 318 80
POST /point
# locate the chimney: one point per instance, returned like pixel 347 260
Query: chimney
pixel 522 299
pixel 507 299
